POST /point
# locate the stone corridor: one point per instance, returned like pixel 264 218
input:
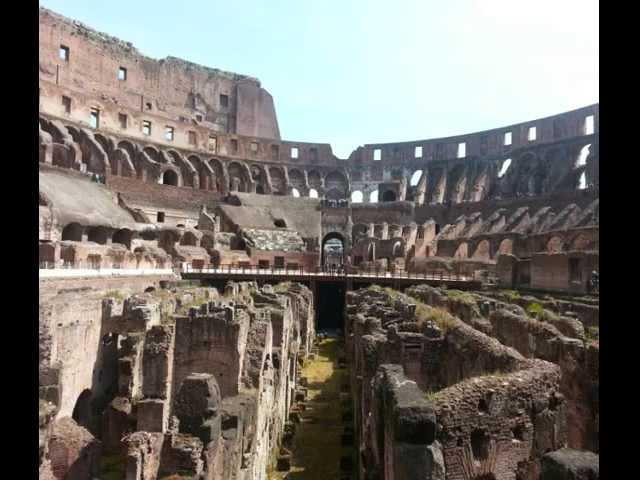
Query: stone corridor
pixel 323 443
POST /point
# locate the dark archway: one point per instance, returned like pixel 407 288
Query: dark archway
pixel 73 232
pixel 333 245
pixel 123 237
pixel 189 240
pixel 82 411
pixel 170 177
pixel 389 196
pixel 331 300
pixel 98 235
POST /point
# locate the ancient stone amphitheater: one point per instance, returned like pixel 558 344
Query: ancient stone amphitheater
pixel 219 303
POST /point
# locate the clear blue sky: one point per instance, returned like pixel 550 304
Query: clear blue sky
pixel 350 72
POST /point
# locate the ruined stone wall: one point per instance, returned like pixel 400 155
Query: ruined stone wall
pixel 193 383
pixel 537 333
pixel 437 398
pixel 71 316
pixel 167 91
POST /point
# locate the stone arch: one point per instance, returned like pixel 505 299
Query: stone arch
pixel 107 143
pixel 356 197
pixel 505 247
pixel 169 177
pixel 457 179
pixel 98 235
pixel 555 245
pixel 83 409
pixel 93 155
pixel 527 175
pixel 207 242
pixel 334 194
pixel 415 178
pixel 239 177
pixel 371 252
pixel 315 180
pixel 480 187
pixel 328 256
pixel 483 251
pixel 373 197
pixel 261 179
pixel 296 179
pixel 437 184
pixel 337 181
pixel 154 154
pixel 73 232
pixel 582 242
pixel 195 172
pixel 462 251
pixel 389 196
pixel 397 250
pixel 313 193
pixel 123 237
pixel 295 192
pixel 359 231
pixel 278 181
pixel 218 181
pixel 189 240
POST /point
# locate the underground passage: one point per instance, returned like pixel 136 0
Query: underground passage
pixel 330 306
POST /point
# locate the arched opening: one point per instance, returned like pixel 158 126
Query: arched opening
pixel 278 182
pixel 82 411
pixel 582 181
pixel 554 245
pixel 206 242
pixel 332 250
pixel 462 251
pixel 238 177
pixel 189 240
pixel 397 250
pixel 582 157
pixel 415 178
pixel 169 177
pixel 72 232
pixel 313 193
pixel 483 251
pixel 295 192
pixel 334 194
pixel 123 237
pixel 506 247
pixel 480 444
pixel 371 252
pixel 505 166
pixel 373 197
pixel 356 197
pixel 98 235
pixel 280 223
pixel 389 196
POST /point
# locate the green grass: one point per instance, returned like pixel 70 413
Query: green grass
pixel 116 294
pixel 592 333
pixel 512 295
pixel 464 297
pixel 535 310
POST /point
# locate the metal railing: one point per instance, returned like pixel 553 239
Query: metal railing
pixel 300 271
pixel 87 265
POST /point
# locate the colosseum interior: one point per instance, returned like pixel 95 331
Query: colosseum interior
pixel 219 303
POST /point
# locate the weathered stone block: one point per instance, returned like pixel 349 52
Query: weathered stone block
pixel 152 415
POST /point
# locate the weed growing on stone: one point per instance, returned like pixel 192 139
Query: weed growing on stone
pixel 115 294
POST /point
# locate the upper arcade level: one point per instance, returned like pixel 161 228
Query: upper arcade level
pixel 119 112
pixel 82 70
